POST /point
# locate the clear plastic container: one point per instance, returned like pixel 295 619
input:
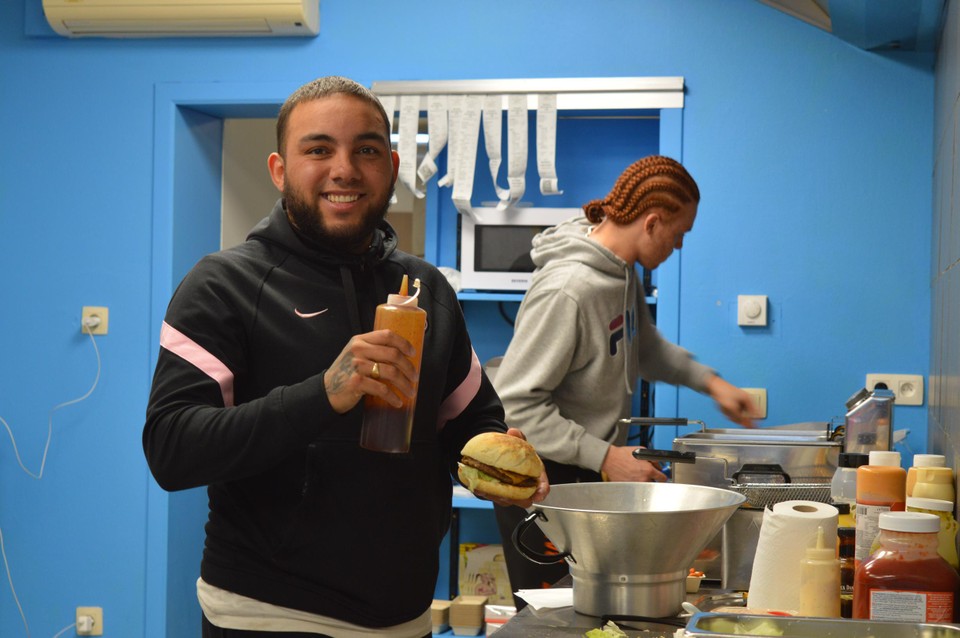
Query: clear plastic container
pixel 907 580
pixel 386 428
pixel 843 486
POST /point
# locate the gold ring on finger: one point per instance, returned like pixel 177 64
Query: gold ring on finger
pixel 375 372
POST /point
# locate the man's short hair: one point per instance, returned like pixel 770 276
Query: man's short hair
pixel 321 88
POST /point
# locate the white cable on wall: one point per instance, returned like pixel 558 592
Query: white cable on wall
pixel 88 328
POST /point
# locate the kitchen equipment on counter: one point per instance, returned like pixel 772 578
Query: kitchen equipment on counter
pixel 868 424
pixel 629 546
pixel 730 625
pixel 766 465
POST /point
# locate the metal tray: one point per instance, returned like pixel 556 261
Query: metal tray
pixel 717 625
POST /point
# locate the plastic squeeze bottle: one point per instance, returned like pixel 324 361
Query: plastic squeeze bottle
pixel 923 460
pixel 906 580
pixel 386 428
pixel 932 478
pixel 820 580
pixel 881 487
pixel 843 486
pixel 947 536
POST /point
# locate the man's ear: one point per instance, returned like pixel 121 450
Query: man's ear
pixel 650 222
pixel 277 170
pixel 396 165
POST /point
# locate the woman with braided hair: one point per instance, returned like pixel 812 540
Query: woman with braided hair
pixel 583 337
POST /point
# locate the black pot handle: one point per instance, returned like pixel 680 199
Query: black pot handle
pixel 669 456
pixel 529 554
pixel 762 469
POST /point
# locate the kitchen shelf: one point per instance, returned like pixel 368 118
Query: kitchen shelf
pixel 474 295
pixel 471 502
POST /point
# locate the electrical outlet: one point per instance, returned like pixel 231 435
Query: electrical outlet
pixel 759 396
pixel 89 621
pixel 908 388
pixel 94 314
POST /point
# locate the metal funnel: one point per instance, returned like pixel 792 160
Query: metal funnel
pixel 630 545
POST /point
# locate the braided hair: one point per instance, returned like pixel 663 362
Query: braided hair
pixel 654 181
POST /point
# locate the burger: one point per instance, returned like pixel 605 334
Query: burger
pixel 497 465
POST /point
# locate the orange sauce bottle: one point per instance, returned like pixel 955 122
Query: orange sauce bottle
pixel 386 428
pixel 881 487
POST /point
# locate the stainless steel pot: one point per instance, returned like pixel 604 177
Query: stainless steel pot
pixel 629 546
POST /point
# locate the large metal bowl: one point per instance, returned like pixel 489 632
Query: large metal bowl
pixel 629 546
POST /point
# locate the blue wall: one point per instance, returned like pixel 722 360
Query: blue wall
pixel 814 158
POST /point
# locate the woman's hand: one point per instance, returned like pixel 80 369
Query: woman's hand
pixel 621 465
pixel 736 405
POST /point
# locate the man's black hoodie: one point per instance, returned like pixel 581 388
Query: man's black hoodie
pixel 300 515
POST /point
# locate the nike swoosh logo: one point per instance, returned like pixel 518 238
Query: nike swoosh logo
pixel 309 315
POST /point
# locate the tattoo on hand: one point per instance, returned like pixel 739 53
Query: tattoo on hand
pixel 340 375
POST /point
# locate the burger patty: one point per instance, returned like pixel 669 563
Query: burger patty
pixel 504 476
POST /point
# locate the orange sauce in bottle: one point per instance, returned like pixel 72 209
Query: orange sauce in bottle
pixel 386 428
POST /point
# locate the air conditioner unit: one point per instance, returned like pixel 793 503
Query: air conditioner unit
pixel 183 18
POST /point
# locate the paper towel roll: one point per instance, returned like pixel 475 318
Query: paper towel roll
pixel 786 532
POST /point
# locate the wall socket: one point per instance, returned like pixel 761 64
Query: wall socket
pixel 908 388
pixel 89 621
pixel 99 312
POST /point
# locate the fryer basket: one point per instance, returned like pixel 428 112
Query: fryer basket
pixel 763 495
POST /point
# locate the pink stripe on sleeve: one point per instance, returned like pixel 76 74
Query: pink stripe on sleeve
pixel 189 350
pixel 461 397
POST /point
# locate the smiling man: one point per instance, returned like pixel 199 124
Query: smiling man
pixel 337 170
pixel 267 350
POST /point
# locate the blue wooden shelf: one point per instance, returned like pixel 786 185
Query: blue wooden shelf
pixel 474 295
pixel 471 502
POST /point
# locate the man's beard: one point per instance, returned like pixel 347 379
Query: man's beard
pixel 308 220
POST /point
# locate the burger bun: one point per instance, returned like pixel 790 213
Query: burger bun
pixel 499 466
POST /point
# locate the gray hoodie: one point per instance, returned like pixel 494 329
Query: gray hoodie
pixel 582 339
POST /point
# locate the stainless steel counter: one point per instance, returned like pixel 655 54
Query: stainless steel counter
pixel 564 622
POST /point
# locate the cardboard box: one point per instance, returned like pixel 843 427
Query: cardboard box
pixel 440 615
pixel 483 572
pixel 496 616
pixel 466 615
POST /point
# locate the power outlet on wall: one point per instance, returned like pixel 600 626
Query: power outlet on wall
pixel 907 388
pixel 89 621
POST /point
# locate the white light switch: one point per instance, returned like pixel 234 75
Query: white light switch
pixel 759 396
pixel 751 310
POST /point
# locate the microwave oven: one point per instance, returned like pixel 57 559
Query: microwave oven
pixel 495 245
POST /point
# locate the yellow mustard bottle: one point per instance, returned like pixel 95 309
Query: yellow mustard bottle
pixel 947 537
pixel 386 428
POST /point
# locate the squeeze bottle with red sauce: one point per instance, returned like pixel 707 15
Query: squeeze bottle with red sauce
pixel 907 580
pixel 386 428
pixel 881 487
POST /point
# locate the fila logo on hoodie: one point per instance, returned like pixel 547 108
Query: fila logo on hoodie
pixel 619 326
